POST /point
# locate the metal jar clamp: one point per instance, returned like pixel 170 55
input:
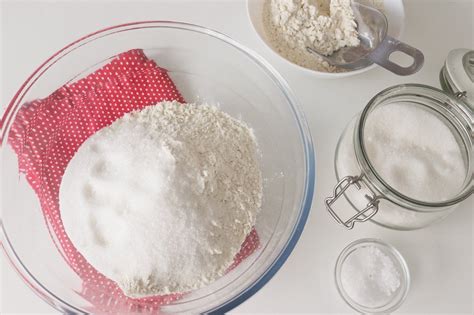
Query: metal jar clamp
pixel 362 215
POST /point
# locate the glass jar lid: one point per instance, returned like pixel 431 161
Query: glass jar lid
pixel 457 75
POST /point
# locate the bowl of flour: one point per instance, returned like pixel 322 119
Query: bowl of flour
pixel 153 167
pixel 287 27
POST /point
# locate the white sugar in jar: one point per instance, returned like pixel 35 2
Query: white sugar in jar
pixel 409 156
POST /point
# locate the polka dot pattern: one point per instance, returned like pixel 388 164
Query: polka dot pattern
pixel 47 132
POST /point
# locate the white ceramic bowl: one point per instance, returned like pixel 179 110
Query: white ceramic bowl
pixel 394 11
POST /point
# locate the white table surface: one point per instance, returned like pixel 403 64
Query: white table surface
pixel 440 257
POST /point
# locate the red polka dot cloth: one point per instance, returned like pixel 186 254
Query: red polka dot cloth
pixel 47 132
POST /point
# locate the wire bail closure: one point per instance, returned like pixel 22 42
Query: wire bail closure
pixel 362 215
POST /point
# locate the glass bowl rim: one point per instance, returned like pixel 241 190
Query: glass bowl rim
pixel 309 156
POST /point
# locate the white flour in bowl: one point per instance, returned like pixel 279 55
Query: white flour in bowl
pixel 161 200
pixel 326 25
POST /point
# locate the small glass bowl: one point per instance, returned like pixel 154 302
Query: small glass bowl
pixel 397 298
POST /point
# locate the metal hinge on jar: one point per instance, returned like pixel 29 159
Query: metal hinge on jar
pixel 362 215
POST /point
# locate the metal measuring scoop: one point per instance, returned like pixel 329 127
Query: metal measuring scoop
pixel 375 45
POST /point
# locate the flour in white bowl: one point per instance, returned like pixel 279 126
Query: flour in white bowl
pixel 325 25
pixel 161 200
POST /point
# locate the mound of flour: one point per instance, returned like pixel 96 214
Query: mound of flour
pixel 325 25
pixel 161 200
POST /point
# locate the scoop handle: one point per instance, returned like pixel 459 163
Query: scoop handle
pixel 389 45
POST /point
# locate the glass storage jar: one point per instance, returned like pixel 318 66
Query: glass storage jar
pixel 378 196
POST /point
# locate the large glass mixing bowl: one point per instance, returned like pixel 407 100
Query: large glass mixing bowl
pixel 206 66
